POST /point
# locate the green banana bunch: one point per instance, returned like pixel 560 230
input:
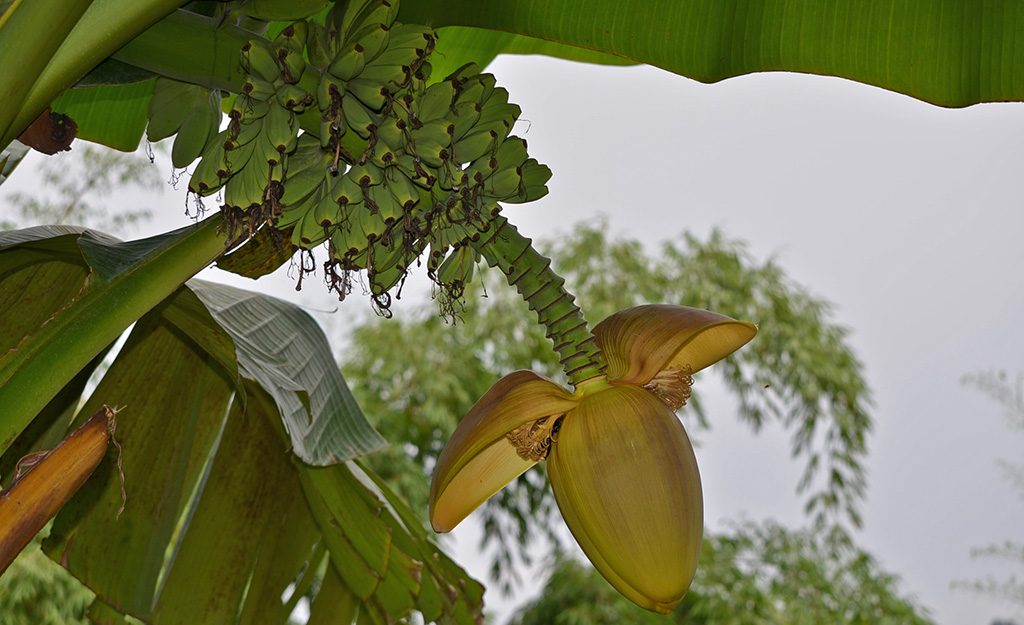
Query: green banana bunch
pixel 398 165
pixel 190 112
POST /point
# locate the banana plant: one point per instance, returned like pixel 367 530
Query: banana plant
pixel 345 131
pixel 235 477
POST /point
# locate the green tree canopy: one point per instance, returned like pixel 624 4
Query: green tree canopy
pixel 755 574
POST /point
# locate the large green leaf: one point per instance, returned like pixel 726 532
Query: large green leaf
pixel 222 396
pixel 53 325
pixel 948 52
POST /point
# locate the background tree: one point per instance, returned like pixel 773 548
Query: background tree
pixel 417 378
pixel 75 185
pixel 1010 394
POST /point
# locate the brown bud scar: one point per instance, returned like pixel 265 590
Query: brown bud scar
pixel 672 386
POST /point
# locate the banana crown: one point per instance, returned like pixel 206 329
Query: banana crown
pixel 621 466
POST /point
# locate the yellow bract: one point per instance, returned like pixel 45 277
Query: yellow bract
pixel 621 466
pixel 626 481
pixel 478 460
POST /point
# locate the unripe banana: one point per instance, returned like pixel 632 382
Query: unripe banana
pixel 535 177
pixel 382 156
pixel 248 108
pixel 382 11
pixel 193 136
pixel 293 36
pixel 171 103
pixel 326 212
pixel 358 117
pixel 418 172
pixel 371 223
pixel 380 201
pixel 293 97
pixel 512 152
pixel 349 63
pixel 280 128
pixel 435 102
pixel 475 88
pixel 410 57
pixel 346 241
pixel 332 129
pixel 346 191
pixel 247 188
pixel 372 93
pixel 292 64
pixel 432 152
pixel 257 58
pixel 318 45
pixel 258 88
pixel 373 38
pixel 365 174
pixel 413 36
pixel 464 73
pixel 500 118
pixel 464 117
pixel 240 132
pixel 392 132
pixel 381 281
pixel 405 192
pixel 503 183
pixel 298 187
pixel 212 171
pixel 458 267
pixel 474 146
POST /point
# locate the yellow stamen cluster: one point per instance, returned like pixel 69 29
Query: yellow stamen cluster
pixel 673 386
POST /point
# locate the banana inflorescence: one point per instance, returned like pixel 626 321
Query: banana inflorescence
pixel 339 134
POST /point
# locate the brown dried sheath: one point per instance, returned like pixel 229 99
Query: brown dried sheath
pixel 32 500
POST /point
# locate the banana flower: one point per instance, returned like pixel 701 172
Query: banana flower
pixel 620 463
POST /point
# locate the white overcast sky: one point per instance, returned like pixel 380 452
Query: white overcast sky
pixel 904 215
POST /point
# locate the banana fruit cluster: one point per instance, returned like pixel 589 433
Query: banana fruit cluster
pixel 339 135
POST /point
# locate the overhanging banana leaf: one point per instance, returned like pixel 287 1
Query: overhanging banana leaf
pixel 947 52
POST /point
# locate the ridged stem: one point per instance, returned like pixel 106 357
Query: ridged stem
pixel 530 272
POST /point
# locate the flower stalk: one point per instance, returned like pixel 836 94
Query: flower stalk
pixel 530 272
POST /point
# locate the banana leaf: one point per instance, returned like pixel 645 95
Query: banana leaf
pixel 227 400
pixel 951 53
pixel 948 52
